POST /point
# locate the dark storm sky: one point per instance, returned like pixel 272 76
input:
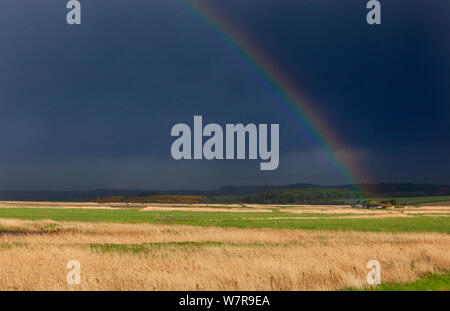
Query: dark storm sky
pixel 91 106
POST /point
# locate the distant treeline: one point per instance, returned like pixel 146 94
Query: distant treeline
pixel 370 190
pixel 155 198
pixel 293 193
pixel 308 195
pixel 404 189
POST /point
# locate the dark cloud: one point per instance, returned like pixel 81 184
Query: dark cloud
pixel 91 106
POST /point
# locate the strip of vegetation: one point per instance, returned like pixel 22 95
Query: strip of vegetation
pixel 430 282
pixel 9 245
pixel 149 247
pixel 227 219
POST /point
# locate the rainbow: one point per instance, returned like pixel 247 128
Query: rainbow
pixel 289 97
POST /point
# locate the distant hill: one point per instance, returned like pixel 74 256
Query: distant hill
pixel 340 194
pixel 406 189
pixel 379 189
pixel 244 190
pixel 306 196
pixel 237 193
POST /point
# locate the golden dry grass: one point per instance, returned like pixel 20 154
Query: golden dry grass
pixel 34 254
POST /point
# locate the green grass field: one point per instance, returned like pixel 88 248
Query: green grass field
pixel 235 219
pixel 430 282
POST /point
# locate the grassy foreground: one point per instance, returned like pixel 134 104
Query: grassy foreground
pixel 274 219
pixel 125 256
